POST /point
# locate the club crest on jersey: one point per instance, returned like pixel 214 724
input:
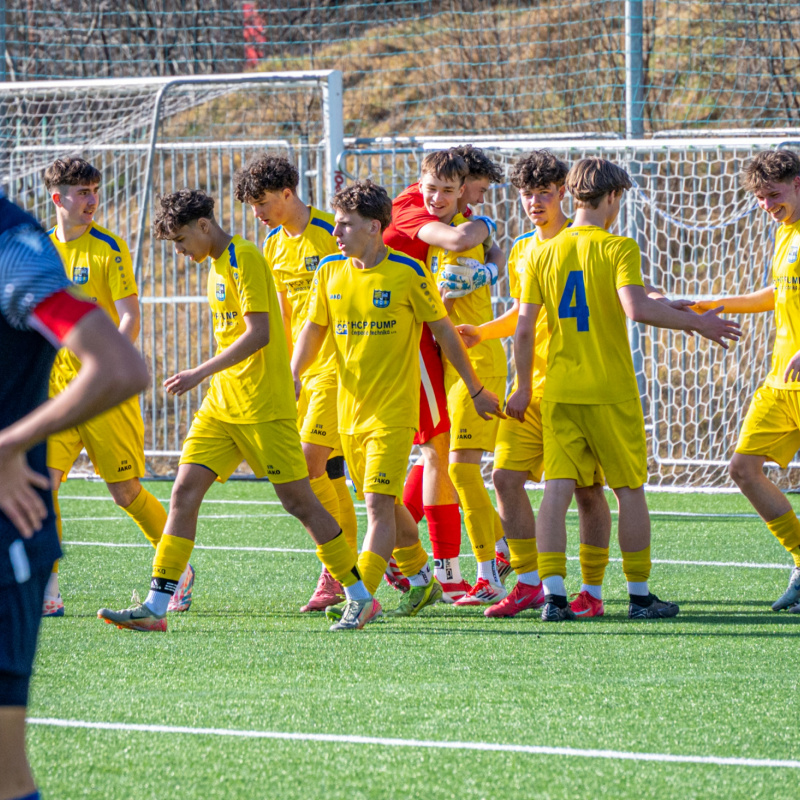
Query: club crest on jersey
pixel 380 299
pixel 312 262
pixel 791 257
pixel 81 274
pixel 435 264
pixel 220 291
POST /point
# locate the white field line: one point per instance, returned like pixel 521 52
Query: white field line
pixel 619 755
pixel 206 501
pixel 742 564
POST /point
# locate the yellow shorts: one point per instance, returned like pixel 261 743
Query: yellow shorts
pixel 114 441
pixel 378 461
pixel 771 427
pixel 271 449
pixel 317 416
pixel 578 438
pixel 467 430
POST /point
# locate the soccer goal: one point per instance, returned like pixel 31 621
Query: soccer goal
pixel 153 136
pixel 700 234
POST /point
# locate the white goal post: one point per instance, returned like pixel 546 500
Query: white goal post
pixel 150 137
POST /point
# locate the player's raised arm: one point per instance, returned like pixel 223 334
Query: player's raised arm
pixel 641 308
pixel 752 303
pixel 523 358
pixel 486 403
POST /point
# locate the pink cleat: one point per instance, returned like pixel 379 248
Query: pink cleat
pixel 395 578
pixel 585 605
pixel 454 591
pixel 329 592
pixel 522 597
pixel 182 599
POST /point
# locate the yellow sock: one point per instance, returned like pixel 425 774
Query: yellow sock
pixel 410 560
pixel 594 561
pixel 347 512
pixel 498 527
pixel 57 509
pixel 637 566
pixel 148 513
pixel 524 555
pixel 326 494
pixel 786 529
pixel 551 564
pixel 172 556
pixel 371 566
pixel 478 510
pixel 340 560
pixel 795 554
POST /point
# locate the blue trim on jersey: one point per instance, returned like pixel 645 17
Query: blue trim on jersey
pixel 51 231
pixel 232 254
pixel 523 237
pixel 321 223
pixel 409 262
pixel 104 237
pixel 272 233
pixel 331 258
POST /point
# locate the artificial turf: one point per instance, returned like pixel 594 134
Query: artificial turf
pixel 718 681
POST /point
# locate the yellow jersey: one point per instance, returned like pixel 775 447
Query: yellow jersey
pixel 576 276
pixel 98 262
pixel 375 316
pixel 488 358
pixel 293 261
pixel 259 388
pixel 786 279
pixel 516 266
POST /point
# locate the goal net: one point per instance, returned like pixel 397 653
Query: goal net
pixel 701 235
pixel 150 137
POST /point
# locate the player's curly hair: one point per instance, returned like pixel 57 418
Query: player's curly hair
pixel 591 179
pixel 179 209
pixel 264 173
pixel 447 165
pixel 71 171
pixel 538 170
pixel 368 199
pixel 770 166
pixel 479 164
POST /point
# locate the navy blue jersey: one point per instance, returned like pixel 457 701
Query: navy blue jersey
pixel 30 271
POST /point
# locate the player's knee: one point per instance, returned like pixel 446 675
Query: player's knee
pixel 508 482
pixel 296 502
pixel 335 467
pixel 125 492
pixel 741 470
pixel 590 498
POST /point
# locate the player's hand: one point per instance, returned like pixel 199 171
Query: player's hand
pixel 19 500
pixel 681 305
pixel 298 386
pixel 487 404
pixel 470 335
pixel 468 275
pixel 703 305
pixel 793 369
pixel 182 382
pixel 716 328
pixel 518 404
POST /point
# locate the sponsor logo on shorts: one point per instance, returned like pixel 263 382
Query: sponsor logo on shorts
pixel 80 275
pixel 462 434
pixel 381 298
pixel 382 478
pixel 125 467
pixel 220 291
pixel 272 471
pixel 318 432
pixel 312 262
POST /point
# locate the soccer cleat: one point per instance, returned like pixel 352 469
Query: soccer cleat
pixel 586 605
pixel 522 597
pixel 136 618
pixel 334 613
pixel 357 613
pixel 503 567
pixel 395 578
pixel 792 594
pixel 417 598
pixel 454 591
pixel 483 593
pixel 553 613
pixel 658 609
pixel 329 592
pixel 182 599
pixel 53 607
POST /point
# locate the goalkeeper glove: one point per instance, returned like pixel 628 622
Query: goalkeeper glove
pixel 490 224
pixel 468 276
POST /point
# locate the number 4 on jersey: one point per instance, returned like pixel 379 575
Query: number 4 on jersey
pixel 575 288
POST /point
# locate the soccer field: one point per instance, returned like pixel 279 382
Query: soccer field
pixel 244 697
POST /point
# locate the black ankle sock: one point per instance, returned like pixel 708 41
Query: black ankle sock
pixel 163 585
pixel 643 600
pixel 559 600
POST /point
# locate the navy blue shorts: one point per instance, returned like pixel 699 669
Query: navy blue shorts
pixel 21 605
